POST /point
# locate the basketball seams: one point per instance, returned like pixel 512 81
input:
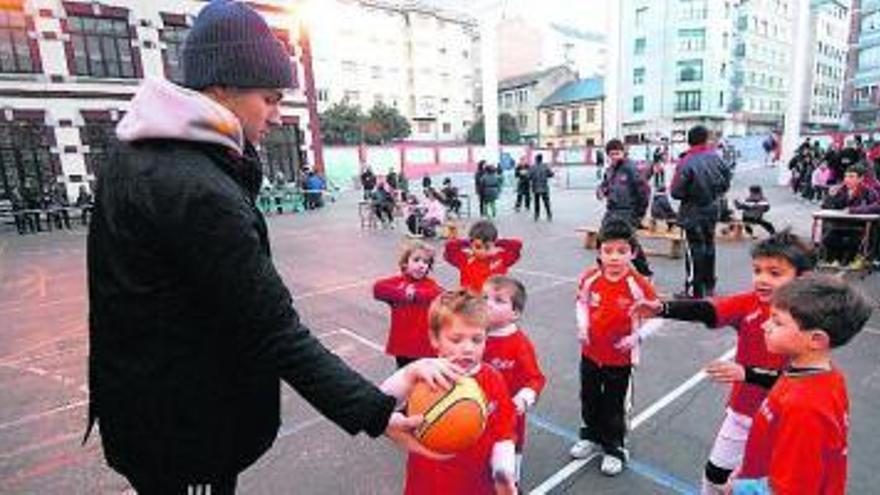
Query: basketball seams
pixel 431 420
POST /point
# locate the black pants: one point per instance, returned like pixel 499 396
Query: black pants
pixel 545 196
pixel 700 235
pixel 384 212
pixel 482 204
pixel 764 224
pixel 403 361
pixel 841 241
pixel 603 397
pixel 523 197
pixel 24 223
pixel 218 485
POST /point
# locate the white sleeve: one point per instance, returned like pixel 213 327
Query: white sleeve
pixel 527 395
pixel 504 458
pixel 582 315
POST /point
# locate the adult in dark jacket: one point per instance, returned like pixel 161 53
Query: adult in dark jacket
pixel 191 326
pixel 626 194
pixel 490 184
pixel 539 176
pixel 368 181
pixel 478 185
pixel 523 185
pixel 701 178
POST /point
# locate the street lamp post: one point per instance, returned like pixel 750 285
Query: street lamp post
pixel 794 115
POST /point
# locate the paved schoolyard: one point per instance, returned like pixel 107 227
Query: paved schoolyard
pixel 329 265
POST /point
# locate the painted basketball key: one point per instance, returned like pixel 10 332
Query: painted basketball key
pixel 454 418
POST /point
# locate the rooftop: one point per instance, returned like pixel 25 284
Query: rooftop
pixel 580 90
pixel 528 78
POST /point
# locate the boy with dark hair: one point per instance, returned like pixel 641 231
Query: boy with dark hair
pixel 610 341
pixel 753 209
pixel 798 441
pixel 481 255
pixel 776 261
pixel 841 238
pixel 509 350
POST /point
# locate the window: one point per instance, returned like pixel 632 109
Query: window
pixel 641 16
pixel 17 52
pixel 691 40
pixel 101 47
pixel 687 101
pixel 352 96
pixel 349 68
pixel 508 100
pixel 99 134
pixel 522 120
pixel 575 121
pixel 282 152
pixel 591 115
pixel 548 117
pixel 323 95
pixel 376 72
pixel 690 70
pixel 25 161
pixel 638 104
pixel 173 37
pixel 424 127
pixel 641 43
pixel 447 128
pixel 721 99
pixel 638 76
pixel 692 9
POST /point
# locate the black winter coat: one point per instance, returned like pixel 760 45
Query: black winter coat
pixel 191 326
pixel 626 192
pixel 700 180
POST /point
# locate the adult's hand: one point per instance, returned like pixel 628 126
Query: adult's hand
pixel 726 372
pixel 646 308
pixel 401 430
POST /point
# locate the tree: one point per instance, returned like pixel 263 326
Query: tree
pixel 342 123
pixel 508 130
pixel 384 124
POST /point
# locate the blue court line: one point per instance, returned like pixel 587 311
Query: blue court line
pixel 657 475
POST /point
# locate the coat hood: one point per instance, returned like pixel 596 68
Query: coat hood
pixel 163 110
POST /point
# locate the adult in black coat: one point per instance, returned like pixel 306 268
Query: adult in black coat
pixel 191 326
pixel 368 181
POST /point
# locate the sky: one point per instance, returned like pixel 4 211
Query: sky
pixel 588 15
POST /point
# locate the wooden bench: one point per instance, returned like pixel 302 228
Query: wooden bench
pixel 674 247
pixel 731 231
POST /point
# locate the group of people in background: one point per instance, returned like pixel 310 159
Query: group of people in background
pixel 32 207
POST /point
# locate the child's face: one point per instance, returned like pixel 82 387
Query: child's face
pixel 418 264
pixel 480 248
pixel 852 180
pixel 616 155
pixel 461 342
pixel 783 335
pixel 615 255
pixel 500 302
pixel 770 273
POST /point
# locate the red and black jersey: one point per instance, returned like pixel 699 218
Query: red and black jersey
pixel 798 439
pixel 475 271
pixel 469 472
pixel 747 314
pixel 408 335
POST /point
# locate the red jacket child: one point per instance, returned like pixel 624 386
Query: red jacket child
pixel 409 295
pixel 481 255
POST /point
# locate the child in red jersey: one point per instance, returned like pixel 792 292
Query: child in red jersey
pixel 410 295
pixel 458 321
pixel 609 338
pixel 509 350
pixel 798 441
pixel 776 261
pixel 481 255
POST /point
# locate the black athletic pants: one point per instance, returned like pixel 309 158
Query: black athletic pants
pixel 218 485
pixel 545 196
pixel 603 397
pixel 700 235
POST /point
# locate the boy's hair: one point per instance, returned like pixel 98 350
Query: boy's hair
pixel 616 230
pixel 756 189
pixel 614 144
pixel 788 246
pixel 698 135
pixel 516 288
pixel 826 303
pixel 458 303
pixel 856 169
pixel 539 158
pixel 483 230
pixel 412 247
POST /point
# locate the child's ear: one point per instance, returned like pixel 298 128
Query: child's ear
pixel 435 344
pixel 819 340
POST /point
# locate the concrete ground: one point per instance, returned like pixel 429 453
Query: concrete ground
pixel 329 265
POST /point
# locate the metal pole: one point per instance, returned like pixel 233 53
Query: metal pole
pixel 794 113
pixel 489 63
pixel 611 124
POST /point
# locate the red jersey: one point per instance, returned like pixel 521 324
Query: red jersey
pixel 607 305
pixel 798 439
pixel 513 355
pixel 469 472
pixel 408 335
pixel 746 313
pixel 475 271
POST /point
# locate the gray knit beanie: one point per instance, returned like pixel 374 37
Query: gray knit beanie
pixel 231 45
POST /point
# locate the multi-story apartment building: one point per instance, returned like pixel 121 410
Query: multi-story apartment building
pixel 520 96
pixel 421 60
pixel 527 46
pixel 824 83
pixel 68 70
pixel 573 115
pixel 864 75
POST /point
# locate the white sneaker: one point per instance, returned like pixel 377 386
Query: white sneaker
pixel 611 466
pixel 583 449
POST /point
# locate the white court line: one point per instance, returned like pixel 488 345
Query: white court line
pixel 544 274
pixel 573 466
pixel 33 417
pixel 330 290
pixel 363 340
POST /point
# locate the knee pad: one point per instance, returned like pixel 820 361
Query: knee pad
pixel 717 475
